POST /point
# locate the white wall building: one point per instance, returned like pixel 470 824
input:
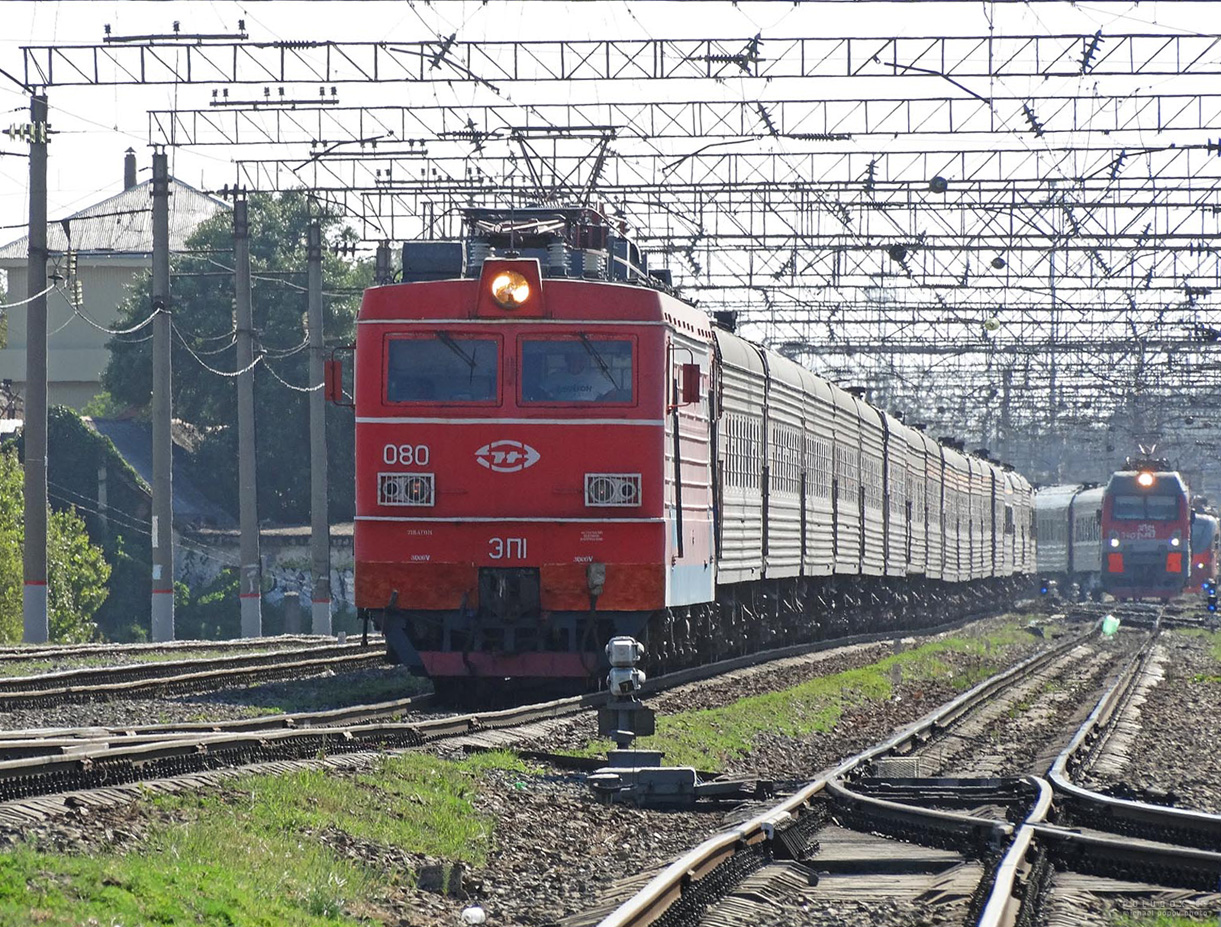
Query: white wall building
pixel 113 241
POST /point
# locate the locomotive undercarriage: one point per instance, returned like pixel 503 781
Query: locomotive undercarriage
pixel 746 618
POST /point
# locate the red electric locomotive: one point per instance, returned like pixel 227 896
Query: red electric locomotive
pixel 1146 527
pixel 1204 541
pixel 553 450
pixel 527 435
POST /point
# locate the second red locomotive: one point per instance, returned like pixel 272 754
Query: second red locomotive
pixel 1146 530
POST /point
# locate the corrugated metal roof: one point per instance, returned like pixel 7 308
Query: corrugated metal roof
pixel 123 224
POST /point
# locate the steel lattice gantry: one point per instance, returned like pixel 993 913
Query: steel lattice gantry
pixel 1020 235
pixel 160 60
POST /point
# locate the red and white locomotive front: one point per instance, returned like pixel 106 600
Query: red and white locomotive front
pixel 1146 531
pixel 513 508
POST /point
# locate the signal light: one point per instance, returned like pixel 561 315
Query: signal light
pixel 1044 586
pixel 1212 601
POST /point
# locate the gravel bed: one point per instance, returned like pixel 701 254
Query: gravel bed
pixel 1022 732
pixel 556 850
pixel 786 758
pixel 94 656
pixel 1175 753
pixel 317 693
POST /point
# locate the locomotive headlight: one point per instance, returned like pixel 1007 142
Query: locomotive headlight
pixel 1114 542
pixel 1145 479
pixel 1175 541
pixel 510 289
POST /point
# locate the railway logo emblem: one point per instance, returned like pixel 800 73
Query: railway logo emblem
pixel 506 456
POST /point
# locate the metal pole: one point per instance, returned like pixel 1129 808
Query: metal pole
pixel 163 441
pixel 320 535
pixel 251 587
pixel 34 560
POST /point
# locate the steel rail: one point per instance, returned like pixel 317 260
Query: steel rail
pixel 1014 868
pixel 668 887
pixel 179 676
pixel 85 651
pixel 1121 815
pixel 86 760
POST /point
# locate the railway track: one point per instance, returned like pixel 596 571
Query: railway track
pixel 870 842
pixel 27 653
pixel 178 677
pixel 49 771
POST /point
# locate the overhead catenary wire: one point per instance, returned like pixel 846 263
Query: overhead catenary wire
pixel 202 363
pixel 27 300
pixel 285 383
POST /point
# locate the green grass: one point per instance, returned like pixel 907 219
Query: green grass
pixel 1163 919
pixel 59 665
pixel 1214 641
pixel 251 853
pixel 1213 637
pixel 709 739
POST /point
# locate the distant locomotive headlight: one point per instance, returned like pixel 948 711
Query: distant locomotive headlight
pixel 1145 479
pixel 1175 541
pixel 510 289
pixel 1114 542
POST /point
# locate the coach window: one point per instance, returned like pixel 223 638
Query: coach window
pixel 579 368
pixel 442 368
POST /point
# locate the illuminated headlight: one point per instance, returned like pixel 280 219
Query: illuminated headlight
pixel 1145 479
pixel 1174 542
pixel 510 289
pixel 609 490
pixel 405 489
pixel 1114 542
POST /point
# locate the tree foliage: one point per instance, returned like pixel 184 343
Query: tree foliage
pixel 77 573
pixel 203 301
pixel 75 454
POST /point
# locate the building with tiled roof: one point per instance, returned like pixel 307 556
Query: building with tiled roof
pixel 113 241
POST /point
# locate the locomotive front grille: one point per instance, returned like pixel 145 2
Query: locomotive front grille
pixel 405 489
pixel 612 490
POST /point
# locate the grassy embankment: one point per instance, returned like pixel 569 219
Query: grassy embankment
pixel 1163 919
pixel 707 739
pixel 255 853
pixel 1213 638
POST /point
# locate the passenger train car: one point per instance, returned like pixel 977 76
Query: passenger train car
pixel 553 449
pixel 1068 528
pixel 1146 530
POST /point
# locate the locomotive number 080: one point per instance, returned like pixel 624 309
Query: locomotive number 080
pixel 407 455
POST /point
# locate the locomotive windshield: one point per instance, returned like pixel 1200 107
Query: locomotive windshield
pixel 576 369
pixel 1150 508
pixel 441 367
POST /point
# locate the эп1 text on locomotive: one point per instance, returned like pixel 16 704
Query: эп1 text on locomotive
pixel 552 449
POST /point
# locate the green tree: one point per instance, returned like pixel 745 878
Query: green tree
pixel 11 505
pixel 76 579
pixel 77 572
pixel 203 320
